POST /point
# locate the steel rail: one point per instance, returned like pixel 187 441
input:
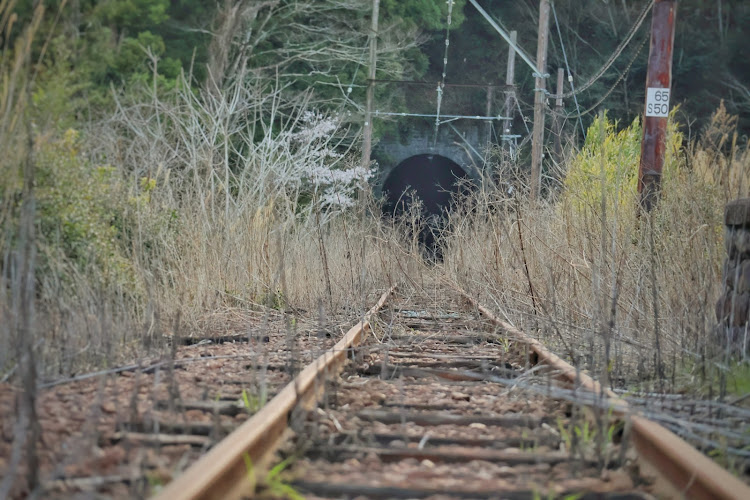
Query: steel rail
pixel 227 471
pixel 688 473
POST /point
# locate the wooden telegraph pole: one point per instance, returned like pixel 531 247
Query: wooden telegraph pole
pixel 557 119
pixel 367 132
pixel 540 96
pixel 509 81
pixel 488 111
pixel 658 84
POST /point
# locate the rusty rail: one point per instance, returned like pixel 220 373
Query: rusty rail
pixel 684 471
pixel 227 470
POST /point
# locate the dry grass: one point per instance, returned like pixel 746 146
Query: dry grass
pixel 205 201
pixel 630 299
pixel 213 216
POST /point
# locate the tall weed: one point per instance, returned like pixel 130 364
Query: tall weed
pixel 629 298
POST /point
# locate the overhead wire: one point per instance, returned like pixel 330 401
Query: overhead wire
pixel 573 92
pixel 580 114
pixel 354 78
pixel 441 85
pixel 526 58
pixel 612 58
pixel 567 67
pixel 437 117
pixel 520 112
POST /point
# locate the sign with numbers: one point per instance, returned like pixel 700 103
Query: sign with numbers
pixel 657 102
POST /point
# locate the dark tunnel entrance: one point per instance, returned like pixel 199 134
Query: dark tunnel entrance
pixel 433 179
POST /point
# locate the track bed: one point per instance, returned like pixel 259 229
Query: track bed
pixel 437 404
pixel 125 432
pixel 429 400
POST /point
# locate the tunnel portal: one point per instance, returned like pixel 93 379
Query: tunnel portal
pixel 434 180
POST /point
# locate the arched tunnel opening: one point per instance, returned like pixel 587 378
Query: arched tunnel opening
pixel 433 180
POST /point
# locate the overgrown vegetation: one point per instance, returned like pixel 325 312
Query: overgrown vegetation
pixel 169 196
pixel 155 181
pixel 628 297
pixel 191 199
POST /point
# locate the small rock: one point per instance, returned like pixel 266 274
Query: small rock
pixel 159 475
pixel 737 212
pixel 109 407
pixel 619 480
pixel 477 425
pixel 194 415
pixel 549 428
pixel 460 396
pixel 428 463
pixel 396 443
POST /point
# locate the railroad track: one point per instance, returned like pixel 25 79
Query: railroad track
pixel 123 432
pixel 422 398
pixel 440 399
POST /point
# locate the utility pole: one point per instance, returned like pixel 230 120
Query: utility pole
pixel 488 112
pixel 367 132
pixel 511 94
pixel 557 118
pixel 540 96
pixel 658 85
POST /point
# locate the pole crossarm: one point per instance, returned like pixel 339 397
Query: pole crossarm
pixel 505 35
pixel 502 88
pixel 430 115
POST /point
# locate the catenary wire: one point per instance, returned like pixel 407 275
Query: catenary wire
pixel 580 114
pixel 567 67
pixel 612 58
pixel 441 85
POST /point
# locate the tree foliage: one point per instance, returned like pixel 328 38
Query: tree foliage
pixel 322 45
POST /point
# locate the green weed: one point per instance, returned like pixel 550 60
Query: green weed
pixel 250 470
pixel 252 402
pixel 738 378
pixel 586 437
pixel 276 484
pixel 551 495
